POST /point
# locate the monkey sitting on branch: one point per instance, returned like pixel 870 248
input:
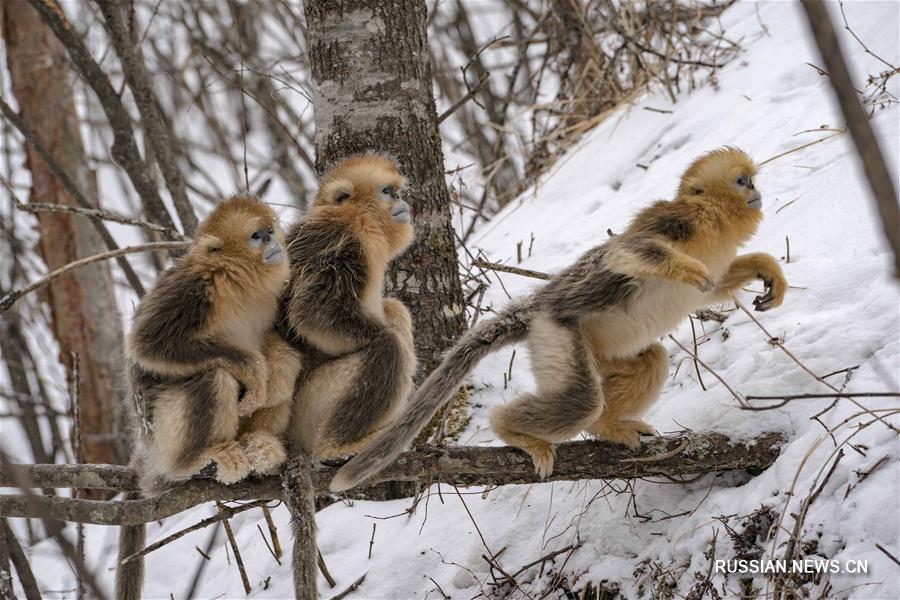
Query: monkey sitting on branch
pixel 201 389
pixel 357 345
pixel 592 330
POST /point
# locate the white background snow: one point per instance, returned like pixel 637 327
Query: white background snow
pixel 841 311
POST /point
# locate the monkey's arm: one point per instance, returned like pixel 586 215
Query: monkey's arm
pixel 171 334
pixel 329 277
pixel 284 365
pixel 650 256
pixel 746 268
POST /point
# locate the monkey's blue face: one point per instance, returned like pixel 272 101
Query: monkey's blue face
pixel 266 244
pixel 399 209
pixel 744 184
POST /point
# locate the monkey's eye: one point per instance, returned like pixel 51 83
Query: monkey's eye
pixel 388 193
pixel 255 235
pixel 256 238
pixel 741 181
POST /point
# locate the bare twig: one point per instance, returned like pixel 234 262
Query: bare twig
pixel 225 512
pixel 11 298
pixel 323 569
pixel 31 138
pixel 353 587
pixel 737 396
pixel 93 213
pixel 20 562
pixel 124 149
pixel 142 89
pixel 234 549
pixel 482 264
pixel 474 90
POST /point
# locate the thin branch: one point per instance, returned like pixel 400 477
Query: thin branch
pixel 124 149
pixel 225 512
pixel 7 301
pixel 142 89
pixel 482 264
pixel 474 90
pixel 31 138
pixel 93 213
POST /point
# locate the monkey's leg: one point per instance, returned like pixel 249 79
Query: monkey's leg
pixel 568 397
pixel 196 423
pixel 748 267
pixel 651 257
pixel 630 387
pixel 260 434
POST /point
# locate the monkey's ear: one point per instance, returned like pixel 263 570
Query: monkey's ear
pixel 210 243
pixel 692 187
pixel 339 195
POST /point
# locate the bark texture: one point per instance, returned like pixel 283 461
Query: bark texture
pixel 83 308
pixel 460 465
pixel 372 90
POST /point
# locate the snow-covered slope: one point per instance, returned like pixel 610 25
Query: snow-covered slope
pixel 649 538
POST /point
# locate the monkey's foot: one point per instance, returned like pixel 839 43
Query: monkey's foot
pixel 543 455
pixel 626 432
pixel 231 463
pixel 264 452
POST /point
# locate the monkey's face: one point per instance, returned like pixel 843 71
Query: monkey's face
pixel 725 177
pixel 244 231
pixel 370 185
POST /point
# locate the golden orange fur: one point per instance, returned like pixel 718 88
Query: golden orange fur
pixel 592 330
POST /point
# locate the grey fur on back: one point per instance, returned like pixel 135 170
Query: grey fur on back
pixel 486 337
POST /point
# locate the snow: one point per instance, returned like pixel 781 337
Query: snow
pixel 842 311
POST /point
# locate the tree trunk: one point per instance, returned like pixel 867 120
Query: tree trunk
pixel 372 90
pixel 85 318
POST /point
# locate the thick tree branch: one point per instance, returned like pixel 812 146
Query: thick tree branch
pixel 462 465
pixel 877 174
pixel 124 149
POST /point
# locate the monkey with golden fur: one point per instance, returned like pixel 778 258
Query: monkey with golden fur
pixel 357 345
pixel 592 330
pixel 197 354
pixel 210 382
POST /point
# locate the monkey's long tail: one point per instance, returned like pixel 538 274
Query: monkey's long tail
pixel 130 576
pixel 508 327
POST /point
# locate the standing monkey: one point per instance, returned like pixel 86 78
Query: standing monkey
pixel 592 330
pixel 202 395
pixel 357 345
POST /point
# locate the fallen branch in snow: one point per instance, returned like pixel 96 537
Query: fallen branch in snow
pixel 462 465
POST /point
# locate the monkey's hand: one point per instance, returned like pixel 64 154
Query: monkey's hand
pixel 748 267
pixel 284 365
pixel 776 286
pixel 255 380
